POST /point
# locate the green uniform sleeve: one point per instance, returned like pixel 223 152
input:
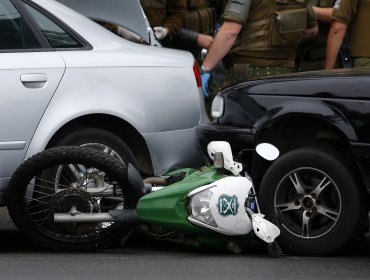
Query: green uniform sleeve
pixel 176 10
pixel 344 11
pixel 237 11
pixel 311 17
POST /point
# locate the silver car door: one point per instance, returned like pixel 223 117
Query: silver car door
pixel 28 79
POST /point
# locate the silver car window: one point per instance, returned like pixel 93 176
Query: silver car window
pixel 11 26
pixel 57 37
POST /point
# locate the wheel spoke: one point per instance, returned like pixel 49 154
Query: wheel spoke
pixel 333 215
pixel 77 169
pixel 41 184
pixel 288 206
pixel 321 186
pixel 305 224
pixel 38 212
pixel 67 173
pixel 37 200
pixel 297 183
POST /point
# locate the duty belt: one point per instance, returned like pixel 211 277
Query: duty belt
pixel 243 72
pixel 268 71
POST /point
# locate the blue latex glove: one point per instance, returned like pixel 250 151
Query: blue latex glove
pixel 205 76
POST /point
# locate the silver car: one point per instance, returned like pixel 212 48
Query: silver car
pixel 65 80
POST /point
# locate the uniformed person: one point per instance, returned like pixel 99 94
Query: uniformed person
pixel 165 16
pixel 259 38
pixel 199 24
pixel 311 55
pixel 354 13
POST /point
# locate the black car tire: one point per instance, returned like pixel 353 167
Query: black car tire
pixel 98 138
pixel 33 198
pixel 315 220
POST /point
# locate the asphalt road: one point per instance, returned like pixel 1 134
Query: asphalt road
pixel 143 258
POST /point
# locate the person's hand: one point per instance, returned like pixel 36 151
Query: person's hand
pixel 160 32
pixel 205 76
pixel 204 41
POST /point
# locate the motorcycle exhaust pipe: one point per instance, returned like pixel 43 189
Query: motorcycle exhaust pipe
pixel 125 216
pixel 83 218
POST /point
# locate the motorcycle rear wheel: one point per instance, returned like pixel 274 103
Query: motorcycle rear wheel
pixel 64 179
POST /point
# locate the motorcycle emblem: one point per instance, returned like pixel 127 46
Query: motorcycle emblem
pixel 227 205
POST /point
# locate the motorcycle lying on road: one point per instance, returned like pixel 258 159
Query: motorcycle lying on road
pixel 80 198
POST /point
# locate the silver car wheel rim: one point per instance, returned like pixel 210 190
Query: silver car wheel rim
pixel 80 169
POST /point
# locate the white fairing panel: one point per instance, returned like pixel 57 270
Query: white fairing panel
pixel 227 206
pixel 264 229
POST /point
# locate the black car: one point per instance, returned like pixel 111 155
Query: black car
pixel 318 188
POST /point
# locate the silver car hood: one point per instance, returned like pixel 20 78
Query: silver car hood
pixel 125 13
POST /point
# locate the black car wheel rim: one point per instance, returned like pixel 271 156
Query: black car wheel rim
pixel 308 203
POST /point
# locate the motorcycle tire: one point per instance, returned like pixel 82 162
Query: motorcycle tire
pixel 318 201
pixel 60 179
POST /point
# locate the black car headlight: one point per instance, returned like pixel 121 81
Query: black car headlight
pixel 217 109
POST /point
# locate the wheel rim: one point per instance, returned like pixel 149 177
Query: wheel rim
pixel 308 203
pixel 71 187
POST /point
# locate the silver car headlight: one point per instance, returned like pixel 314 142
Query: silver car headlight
pixel 217 109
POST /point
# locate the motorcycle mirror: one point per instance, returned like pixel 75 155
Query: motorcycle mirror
pixel 267 151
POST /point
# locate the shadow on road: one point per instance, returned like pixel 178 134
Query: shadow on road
pixel 13 241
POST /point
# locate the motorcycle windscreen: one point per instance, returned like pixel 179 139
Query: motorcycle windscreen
pixel 125 13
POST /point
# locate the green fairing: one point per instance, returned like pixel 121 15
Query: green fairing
pixel 168 206
pixel 168 209
pixel 186 171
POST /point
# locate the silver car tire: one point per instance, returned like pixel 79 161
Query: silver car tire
pixel 100 139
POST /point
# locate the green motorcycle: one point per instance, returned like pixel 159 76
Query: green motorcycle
pixel 81 198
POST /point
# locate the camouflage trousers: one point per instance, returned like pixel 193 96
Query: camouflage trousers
pixel 242 72
pixel 361 62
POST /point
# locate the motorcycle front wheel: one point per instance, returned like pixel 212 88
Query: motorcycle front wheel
pixel 66 180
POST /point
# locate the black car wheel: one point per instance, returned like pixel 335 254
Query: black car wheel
pixel 316 198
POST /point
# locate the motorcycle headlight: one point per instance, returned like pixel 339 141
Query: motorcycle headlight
pixel 219 206
pixel 217 109
pixel 200 207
